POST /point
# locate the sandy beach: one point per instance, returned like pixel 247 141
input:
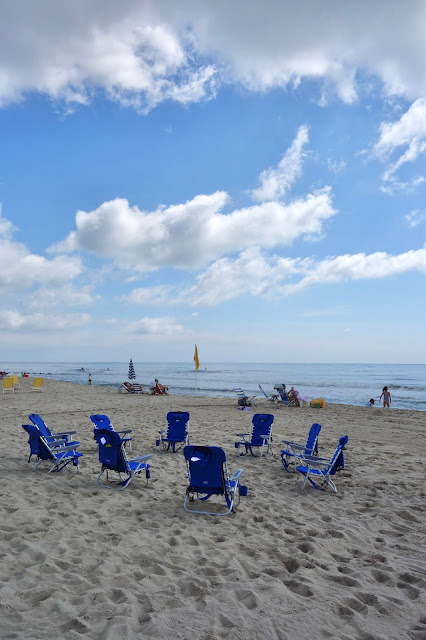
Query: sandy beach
pixel 79 561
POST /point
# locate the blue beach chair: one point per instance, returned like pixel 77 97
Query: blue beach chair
pixel 54 451
pixel 208 476
pixel 46 432
pixel 294 450
pixel 113 457
pixel 102 421
pixel 177 432
pixel 321 469
pixel 243 399
pixel 272 397
pixel 260 436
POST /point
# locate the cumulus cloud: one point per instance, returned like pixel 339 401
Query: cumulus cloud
pixel 276 182
pixel 408 132
pixel 254 274
pixel 160 294
pixel 13 320
pixel 21 269
pixel 155 326
pixel 142 53
pixel 192 234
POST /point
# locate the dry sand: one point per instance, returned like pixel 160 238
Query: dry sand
pixel 80 561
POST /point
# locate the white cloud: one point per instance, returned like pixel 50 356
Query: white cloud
pixel 155 326
pixel 20 269
pixel 409 132
pixel 336 166
pixel 160 294
pixel 192 234
pixel 253 274
pixel 416 217
pixel 13 320
pixel 275 183
pixel 67 295
pixel 142 53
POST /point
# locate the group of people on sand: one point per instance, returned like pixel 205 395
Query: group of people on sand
pixel 156 388
pixel 386 399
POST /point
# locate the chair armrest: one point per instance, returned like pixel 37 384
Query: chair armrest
pixel 237 474
pixel 125 431
pixel 56 444
pixel 162 432
pixel 142 458
pixel 267 437
pixel 310 458
pixel 241 435
pixel 314 462
pixel 63 433
pixel 69 447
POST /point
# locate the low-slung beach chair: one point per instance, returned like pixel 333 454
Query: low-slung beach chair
pixel 243 399
pixel 177 433
pixel 294 450
pixel 286 401
pixel 65 436
pixel 132 387
pixel 102 421
pixel 8 385
pixel 271 397
pixel 320 469
pixel 208 476
pixel 37 384
pixel 259 437
pixel 55 452
pixel 113 457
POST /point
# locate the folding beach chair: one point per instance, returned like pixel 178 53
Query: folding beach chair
pixel 103 422
pixel 56 452
pixel 243 399
pixel 294 450
pixel 208 476
pixel 177 432
pixel 65 436
pixel 287 402
pixel 8 385
pixel 113 457
pixel 321 469
pixel 37 384
pixel 272 397
pixel 260 436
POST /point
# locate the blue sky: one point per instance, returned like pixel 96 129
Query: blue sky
pixel 249 177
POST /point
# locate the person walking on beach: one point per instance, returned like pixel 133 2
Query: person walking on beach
pixel 386 398
pixel 89 381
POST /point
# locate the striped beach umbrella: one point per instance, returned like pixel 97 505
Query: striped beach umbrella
pixel 132 374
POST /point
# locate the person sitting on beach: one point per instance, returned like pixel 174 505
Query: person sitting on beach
pixel 160 389
pixel 370 403
pixel 292 396
pixel 386 398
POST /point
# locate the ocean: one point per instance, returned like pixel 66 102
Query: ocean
pixel 336 383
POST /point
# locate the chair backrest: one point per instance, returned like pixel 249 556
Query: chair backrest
pixel 101 422
pixel 38 382
pixel 38 445
pixel 264 393
pixel 240 393
pixel 15 379
pixel 205 464
pixel 261 426
pixel 283 395
pixel 41 425
pixel 8 383
pixel 312 441
pixel 177 422
pixel 111 451
pixel 338 461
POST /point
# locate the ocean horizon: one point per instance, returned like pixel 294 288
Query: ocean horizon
pixel 337 383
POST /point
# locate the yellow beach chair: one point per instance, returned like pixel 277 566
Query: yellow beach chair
pixel 37 384
pixel 16 384
pixel 8 385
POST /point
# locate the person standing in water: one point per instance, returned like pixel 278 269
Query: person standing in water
pixel 386 398
pixel 89 381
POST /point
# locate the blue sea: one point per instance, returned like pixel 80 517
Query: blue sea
pixel 336 383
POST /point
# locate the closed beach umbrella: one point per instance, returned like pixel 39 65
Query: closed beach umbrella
pixel 132 374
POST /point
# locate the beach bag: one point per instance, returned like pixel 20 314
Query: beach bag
pixel 242 402
pixel 318 403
